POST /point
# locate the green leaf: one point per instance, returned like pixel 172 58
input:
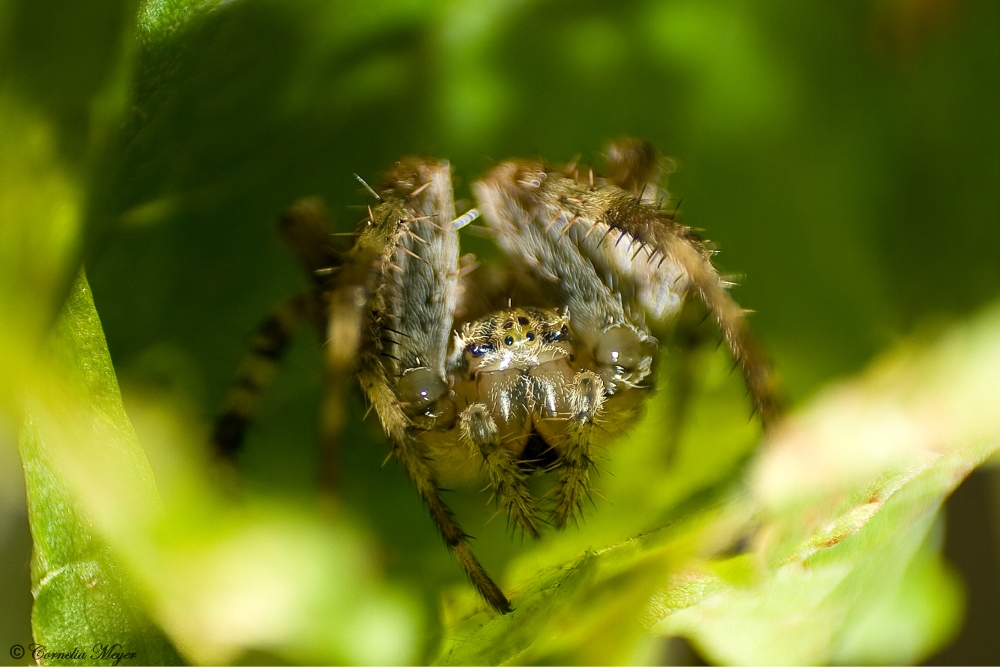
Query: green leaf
pixel 63 89
pixel 84 600
pixel 222 577
pixel 919 616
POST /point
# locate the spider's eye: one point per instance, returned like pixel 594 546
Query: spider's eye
pixel 536 181
pixel 530 336
pixel 558 335
pixel 475 350
pixel 509 340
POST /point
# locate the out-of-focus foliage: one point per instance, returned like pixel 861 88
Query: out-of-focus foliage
pixel 75 426
pixel 845 157
pixel 221 578
pixel 63 90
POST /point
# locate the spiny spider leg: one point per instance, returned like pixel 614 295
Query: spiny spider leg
pixel 407 329
pixel 564 276
pixel 656 236
pixel 534 236
pixel 306 230
pixel 636 166
pixel 343 284
pixel 257 370
pixel 636 250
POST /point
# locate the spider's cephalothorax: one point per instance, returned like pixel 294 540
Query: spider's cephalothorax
pixel 464 390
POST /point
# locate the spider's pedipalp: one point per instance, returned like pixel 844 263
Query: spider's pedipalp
pixel 587 400
pixel 479 431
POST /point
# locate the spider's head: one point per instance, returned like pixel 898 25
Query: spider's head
pixel 515 338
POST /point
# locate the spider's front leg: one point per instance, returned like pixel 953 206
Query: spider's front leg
pixel 575 232
pixel 408 253
pixel 667 258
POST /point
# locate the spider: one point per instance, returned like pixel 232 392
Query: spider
pixel 467 390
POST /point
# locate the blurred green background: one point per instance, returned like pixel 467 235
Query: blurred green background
pixel 844 157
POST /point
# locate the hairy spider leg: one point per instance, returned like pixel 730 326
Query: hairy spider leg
pixel 763 385
pixel 538 244
pixel 258 368
pixel 410 453
pixel 306 230
pixel 346 301
pixel 407 330
pixel 637 167
pixel 639 252
pixel 631 162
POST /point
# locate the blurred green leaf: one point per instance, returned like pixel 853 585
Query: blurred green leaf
pixel 63 91
pixel 84 601
pixel 223 578
pixel 40 225
pixel 913 620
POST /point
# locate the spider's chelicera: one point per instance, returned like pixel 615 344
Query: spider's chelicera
pixel 466 390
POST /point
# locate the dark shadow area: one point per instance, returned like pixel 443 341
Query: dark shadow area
pixel 971 545
pixel 15 588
